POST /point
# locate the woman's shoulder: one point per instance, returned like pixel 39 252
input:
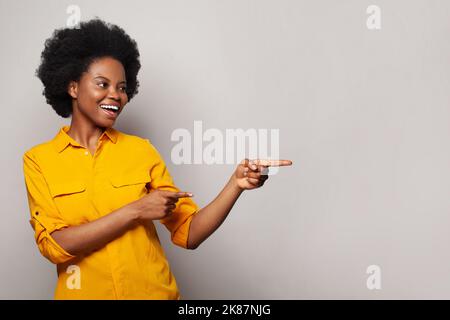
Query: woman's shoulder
pixel 48 147
pixel 135 141
pixel 128 138
pixel 39 150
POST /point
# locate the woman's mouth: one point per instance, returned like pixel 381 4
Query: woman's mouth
pixel 110 110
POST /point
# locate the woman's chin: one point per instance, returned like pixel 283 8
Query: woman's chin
pixel 105 123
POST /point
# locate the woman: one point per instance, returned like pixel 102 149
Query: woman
pixel 94 192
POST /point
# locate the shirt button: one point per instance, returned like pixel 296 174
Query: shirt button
pixel 86 152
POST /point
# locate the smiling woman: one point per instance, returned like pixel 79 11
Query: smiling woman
pixel 94 192
pixel 84 185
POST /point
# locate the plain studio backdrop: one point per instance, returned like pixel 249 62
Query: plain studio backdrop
pixel 363 113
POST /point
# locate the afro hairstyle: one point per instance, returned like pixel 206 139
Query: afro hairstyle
pixel 69 52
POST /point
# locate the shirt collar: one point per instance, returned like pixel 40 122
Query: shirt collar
pixel 62 139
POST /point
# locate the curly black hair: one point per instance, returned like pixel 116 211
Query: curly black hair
pixel 70 51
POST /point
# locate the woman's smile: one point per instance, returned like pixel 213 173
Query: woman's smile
pixel 112 110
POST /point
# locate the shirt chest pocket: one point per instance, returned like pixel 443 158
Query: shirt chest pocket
pixel 71 200
pixel 127 187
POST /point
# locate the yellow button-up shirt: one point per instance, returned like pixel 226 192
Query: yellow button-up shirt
pixel 68 186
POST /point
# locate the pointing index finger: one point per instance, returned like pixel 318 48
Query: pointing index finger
pixel 176 195
pixel 274 163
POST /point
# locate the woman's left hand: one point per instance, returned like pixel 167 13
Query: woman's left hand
pixel 251 174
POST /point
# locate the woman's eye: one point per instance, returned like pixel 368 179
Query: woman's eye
pixel 102 85
pixel 123 89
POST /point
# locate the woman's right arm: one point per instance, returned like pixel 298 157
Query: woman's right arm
pixel 91 236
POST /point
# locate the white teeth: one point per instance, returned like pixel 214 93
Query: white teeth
pixel 105 106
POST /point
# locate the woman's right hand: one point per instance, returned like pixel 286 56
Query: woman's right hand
pixel 157 204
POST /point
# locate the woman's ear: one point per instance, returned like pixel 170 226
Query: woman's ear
pixel 72 89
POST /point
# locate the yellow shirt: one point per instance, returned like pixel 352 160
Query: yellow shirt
pixel 67 186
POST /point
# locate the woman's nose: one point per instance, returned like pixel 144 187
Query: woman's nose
pixel 113 93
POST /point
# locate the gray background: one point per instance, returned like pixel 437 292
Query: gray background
pixel 363 114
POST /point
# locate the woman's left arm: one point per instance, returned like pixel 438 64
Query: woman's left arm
pixel 247 176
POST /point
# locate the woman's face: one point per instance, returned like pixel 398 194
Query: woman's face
pixel 100 94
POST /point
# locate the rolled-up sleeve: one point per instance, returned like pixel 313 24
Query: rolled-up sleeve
pixel 44 216
pixel 178 223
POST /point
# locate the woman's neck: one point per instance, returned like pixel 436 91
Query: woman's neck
pixel 85 134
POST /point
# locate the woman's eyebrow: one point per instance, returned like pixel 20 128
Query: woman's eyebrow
pixel 123 81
